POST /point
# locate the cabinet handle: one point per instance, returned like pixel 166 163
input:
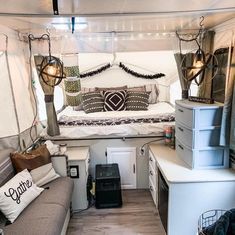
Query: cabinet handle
pixel 150 172
pixel 134 168
pixel 181 129
pixel 181 110
pixel 151 188
pixel 181 146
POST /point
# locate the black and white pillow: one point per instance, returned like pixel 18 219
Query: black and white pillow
pixel 17 194
pixel 114 100
pixel 92 102
pixel 137 100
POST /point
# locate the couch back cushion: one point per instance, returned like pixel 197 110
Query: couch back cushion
pixel 6 168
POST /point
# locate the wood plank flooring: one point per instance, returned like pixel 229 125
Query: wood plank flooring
pixel 138 216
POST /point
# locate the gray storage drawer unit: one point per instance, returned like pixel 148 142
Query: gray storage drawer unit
pixel 198 133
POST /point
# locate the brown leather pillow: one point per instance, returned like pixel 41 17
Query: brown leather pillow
pixel 31 160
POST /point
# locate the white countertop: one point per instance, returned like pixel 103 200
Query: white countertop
pixel 77 153
pixel 196 105
pixel 175 170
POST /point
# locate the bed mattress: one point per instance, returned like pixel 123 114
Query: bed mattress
pixel 78 124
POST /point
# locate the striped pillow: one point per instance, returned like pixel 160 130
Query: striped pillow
pixel 137 100
pixel 114 100
pixel 92 102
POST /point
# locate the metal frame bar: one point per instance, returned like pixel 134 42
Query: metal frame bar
pixel 55 7
pixel 107 138
pixel 116 14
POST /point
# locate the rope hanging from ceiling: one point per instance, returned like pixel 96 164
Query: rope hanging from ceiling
pixel 124 68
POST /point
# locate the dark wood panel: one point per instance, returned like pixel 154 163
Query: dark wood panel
pixel 138 215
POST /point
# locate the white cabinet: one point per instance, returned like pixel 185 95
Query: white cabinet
pixel 153 177
pixel 78 162
pixel 126 160
pixel 198 134
pixel 191 192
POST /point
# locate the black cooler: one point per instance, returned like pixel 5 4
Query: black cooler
pixel 108 186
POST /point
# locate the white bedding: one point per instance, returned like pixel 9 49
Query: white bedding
pixel 75 130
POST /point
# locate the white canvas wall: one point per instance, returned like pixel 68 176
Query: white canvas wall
pixel 19 73
pixel 141 62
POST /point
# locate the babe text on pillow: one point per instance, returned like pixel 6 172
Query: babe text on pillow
pixel 17 194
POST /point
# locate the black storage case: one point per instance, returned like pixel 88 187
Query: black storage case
pixel 108 186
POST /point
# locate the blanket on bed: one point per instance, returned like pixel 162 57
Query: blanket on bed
pixel 73 121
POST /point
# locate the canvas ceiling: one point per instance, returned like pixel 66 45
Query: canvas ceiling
pixel 148 22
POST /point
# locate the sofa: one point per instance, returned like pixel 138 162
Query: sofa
pixel 49 213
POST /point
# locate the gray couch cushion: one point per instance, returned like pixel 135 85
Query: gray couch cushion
pixel 46 214
pixel 6 168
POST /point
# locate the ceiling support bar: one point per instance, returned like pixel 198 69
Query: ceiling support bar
pixel 55 7
pixel 166 13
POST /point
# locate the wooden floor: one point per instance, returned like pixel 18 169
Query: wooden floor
pixel 138 215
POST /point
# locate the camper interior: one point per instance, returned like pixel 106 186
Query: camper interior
pixel 117 117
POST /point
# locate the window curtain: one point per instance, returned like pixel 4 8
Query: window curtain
pixel 52 124
pixel 227 137
pixel 207 47
pixel 183 60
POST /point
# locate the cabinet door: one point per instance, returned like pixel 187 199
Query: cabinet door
pixel 126 160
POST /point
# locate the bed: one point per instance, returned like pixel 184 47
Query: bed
pixel 78 124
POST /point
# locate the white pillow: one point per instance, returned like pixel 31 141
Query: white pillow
pixel 43 174
pixel 154 93
pixel 17 194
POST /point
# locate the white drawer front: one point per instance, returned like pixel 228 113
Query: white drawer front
pixel 208 158
pixel 153 176
pixel 197 139
pixel 153 192
pixel 152 161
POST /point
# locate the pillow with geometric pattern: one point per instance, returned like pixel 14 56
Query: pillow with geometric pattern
pixel 114 100
pixel 92 102
pixel 137 100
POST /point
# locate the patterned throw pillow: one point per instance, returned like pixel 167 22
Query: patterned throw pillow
pixel 114 100
pixel 72 90
pixel 137 100
pixel 92 102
